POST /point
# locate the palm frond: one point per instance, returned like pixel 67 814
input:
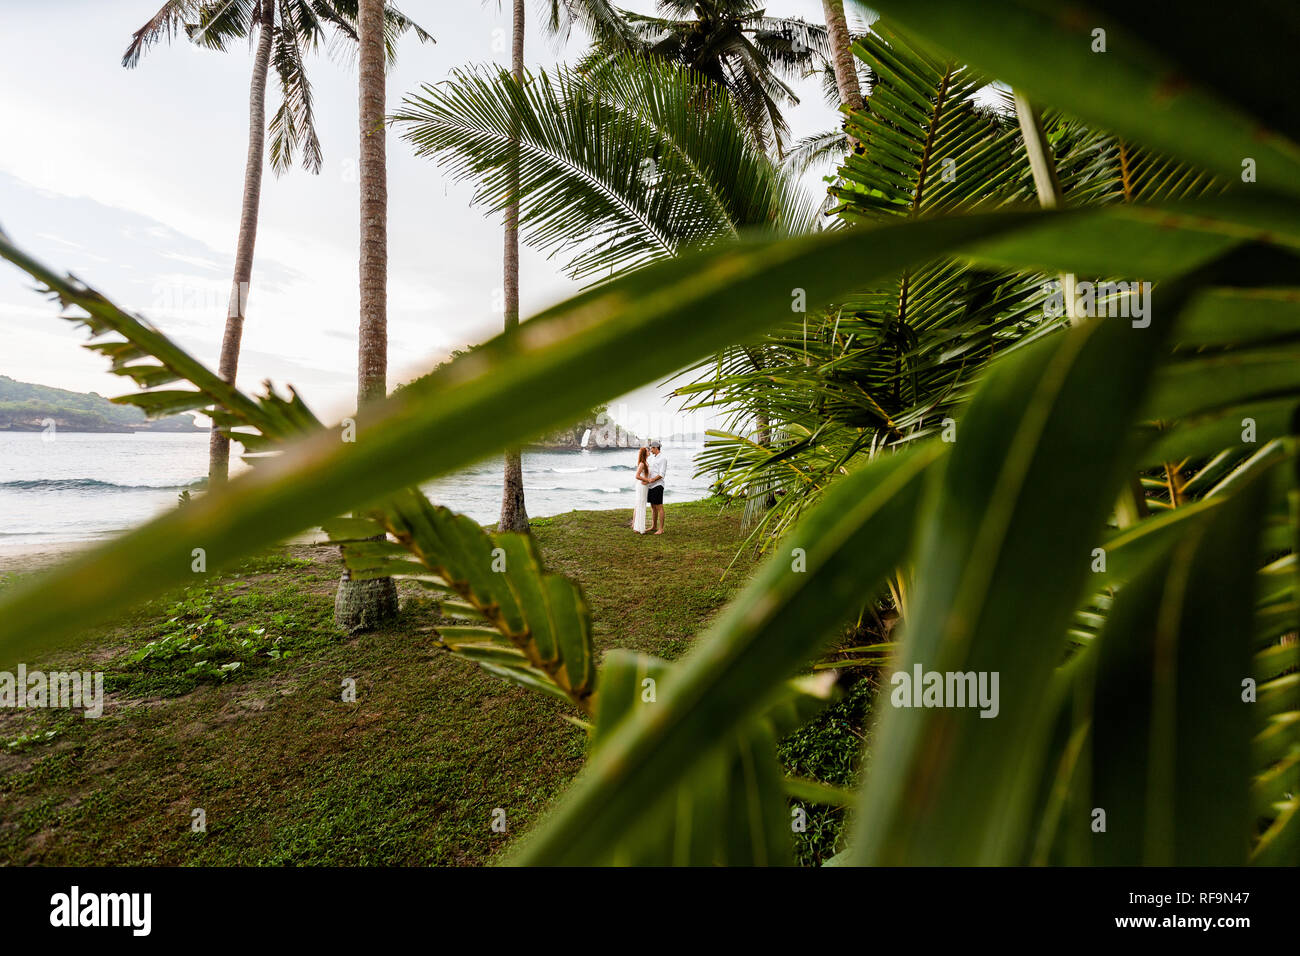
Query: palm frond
pixel 206 22
pixel 735 45
pixel 818 151
pixel 619 166
pixel 293 125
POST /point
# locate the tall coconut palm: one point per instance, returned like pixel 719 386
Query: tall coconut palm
pixel 370 602
pixel 844 77
pixel 730 42
pixel 600 17
pixel 514 513
pixel 746 66
pixel 841 57
pixel 842 62
pixel 286 31
pixel 372 346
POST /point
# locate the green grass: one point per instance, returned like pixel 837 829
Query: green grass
pixel 288 773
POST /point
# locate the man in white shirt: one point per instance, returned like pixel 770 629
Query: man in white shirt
pixel 658 465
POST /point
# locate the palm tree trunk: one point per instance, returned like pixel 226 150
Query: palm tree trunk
pixel 370 603
pixel 372 351
pixel 846 73
pixel 228 368
pixel 514 515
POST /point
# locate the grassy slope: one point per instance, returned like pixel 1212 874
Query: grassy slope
pixel 288 773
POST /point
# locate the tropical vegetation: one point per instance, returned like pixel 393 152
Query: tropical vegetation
pixel 1031 398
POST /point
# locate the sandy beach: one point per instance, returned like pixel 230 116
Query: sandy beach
pixel 20 557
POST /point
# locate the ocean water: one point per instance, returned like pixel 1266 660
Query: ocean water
pixel 79 486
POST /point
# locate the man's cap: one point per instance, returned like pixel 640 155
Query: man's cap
pixel 655 444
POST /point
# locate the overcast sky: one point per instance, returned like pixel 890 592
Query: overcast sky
pixel 132 179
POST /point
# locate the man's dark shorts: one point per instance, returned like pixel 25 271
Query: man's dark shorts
pixel 655 495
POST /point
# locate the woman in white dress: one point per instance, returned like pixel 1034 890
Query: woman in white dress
pixel 642 490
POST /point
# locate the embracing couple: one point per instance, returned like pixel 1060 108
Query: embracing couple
pixel 651 467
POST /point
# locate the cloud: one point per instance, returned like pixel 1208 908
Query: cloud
pixel 199 261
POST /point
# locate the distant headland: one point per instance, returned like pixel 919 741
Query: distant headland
pixel 26 407
pixel 596 431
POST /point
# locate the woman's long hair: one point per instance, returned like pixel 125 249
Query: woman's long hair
pixel 641 456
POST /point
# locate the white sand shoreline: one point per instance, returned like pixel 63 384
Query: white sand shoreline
pixel 19 557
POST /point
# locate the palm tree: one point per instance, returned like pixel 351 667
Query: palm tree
pixel 285 30
pixel 514 513
pixel 372 351
pixel 729 42
pixel 890 364
pixel 846 71
pixel 601 18
pixel 843 78
pixel 370 602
